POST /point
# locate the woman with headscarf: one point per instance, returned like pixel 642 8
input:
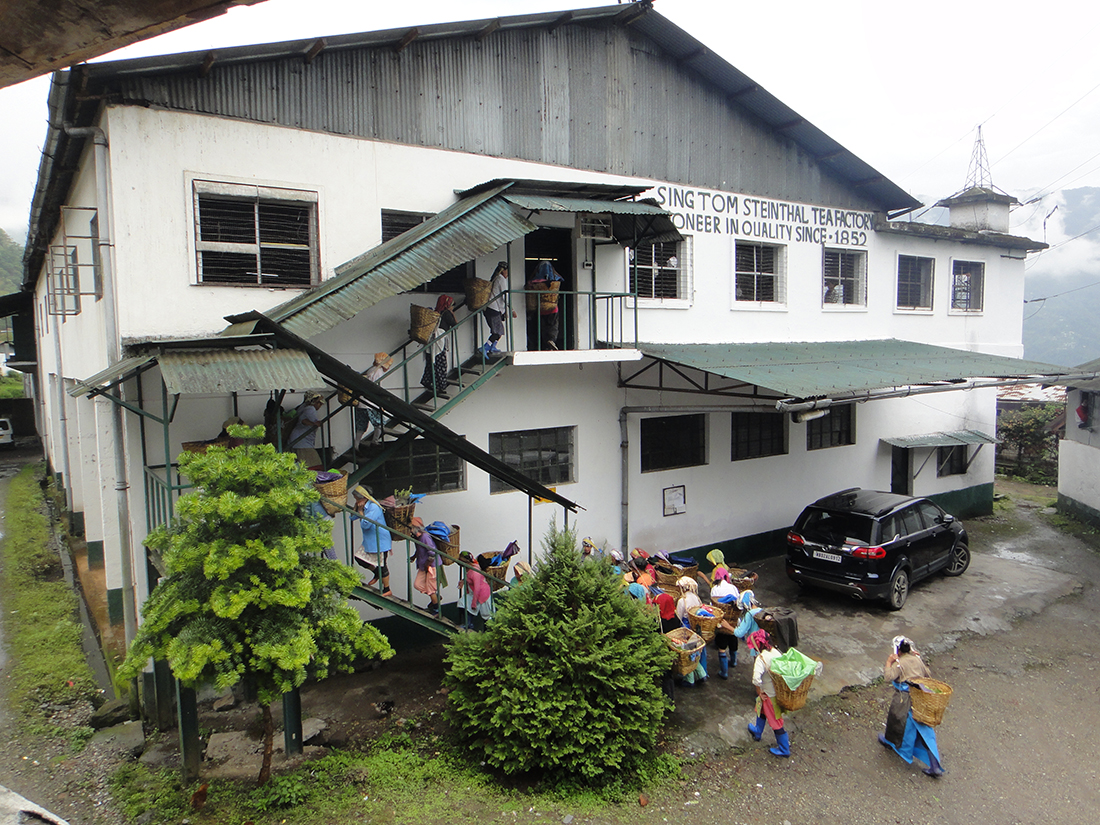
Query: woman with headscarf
pixel 435 353
pixel 907 737
pixel 475 592
pixel 725 592
pixel 374 551
pixel 427 560
pixel 689 598
pixel 768 711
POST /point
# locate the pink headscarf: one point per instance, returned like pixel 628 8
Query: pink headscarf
pixel 758 640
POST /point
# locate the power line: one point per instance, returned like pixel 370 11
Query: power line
pixel 1060 294
pixel 1045 125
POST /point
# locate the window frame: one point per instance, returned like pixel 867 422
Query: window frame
pixel 382 479
pixel 842 434
pixel 952 460
pixel 969 309
pixel 779 276
pixel 203 189
pixel 451 281
pixel 685 271
pixel 538 471
pixel 654 441
pixel 931 286
pixel 768 443
pixel 859 279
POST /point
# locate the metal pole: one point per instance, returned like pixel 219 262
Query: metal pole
pixel 190 749
pixel 292 722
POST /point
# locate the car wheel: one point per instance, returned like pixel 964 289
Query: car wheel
pixel 899 590
pixel 959 561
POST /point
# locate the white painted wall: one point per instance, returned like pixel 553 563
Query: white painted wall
pixel 1079 473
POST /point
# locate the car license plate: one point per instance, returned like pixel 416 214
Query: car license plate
pixel 821 554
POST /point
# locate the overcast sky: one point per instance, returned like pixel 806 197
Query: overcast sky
pixel 903 86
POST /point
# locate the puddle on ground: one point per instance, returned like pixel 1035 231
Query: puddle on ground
pixel 1002 551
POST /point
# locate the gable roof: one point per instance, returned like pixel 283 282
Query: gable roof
pixel 524 86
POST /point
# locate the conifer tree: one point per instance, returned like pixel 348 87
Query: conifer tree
pixel 565 678
pixel 247 593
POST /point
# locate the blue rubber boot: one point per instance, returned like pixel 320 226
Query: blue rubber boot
pixel 782 744
pixel 757 730
pixel 723 665
pixel 733 661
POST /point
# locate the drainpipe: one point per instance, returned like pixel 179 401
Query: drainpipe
pixel 114 354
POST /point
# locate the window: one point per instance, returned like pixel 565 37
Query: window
pixel 845 277
pixel 967 285
pixel 395 223
pixel 756 435
pixel 544 455
pixel 758 273
pixel 255 235
pixel 833 430
pixel 662 270
pixel 673 441
pixel 422 465
pixel 915 282
pixel 951 461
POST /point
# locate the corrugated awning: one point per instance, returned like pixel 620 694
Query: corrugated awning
pixel 632 222
pixel 845 369
pixel 187 372
pixel 954 438
pixel 105 379
pixel 474 226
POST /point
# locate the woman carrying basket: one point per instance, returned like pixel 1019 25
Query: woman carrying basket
pixel 768 710
pixel 905 735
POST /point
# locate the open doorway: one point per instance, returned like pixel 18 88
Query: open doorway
pixel 543 326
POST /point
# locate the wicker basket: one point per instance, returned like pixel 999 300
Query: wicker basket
pixel 705 626
pixel 662 574
pixel 336 490
pixel 542 295
pixel 499 571
pixel 400 517
pixel 448 547
pixel 730 611
pixel 201 446
pixel 742 579
pixel 928 706
pixel 688 647
pixel 422 323
pixel 766 622
pixel 788 699
pixel 477 293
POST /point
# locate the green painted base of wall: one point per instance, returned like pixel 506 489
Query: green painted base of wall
pixel 95 555
pixel 1079 510
pixel 114 606
pixel 973 501
pixel 742 551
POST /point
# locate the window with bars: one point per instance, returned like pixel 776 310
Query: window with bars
pixel 755 435
pixel 951 461
pixel 255 236
pixel 422 465
pixel 662 270
pixel 915 282
pixel 836 429
pixel 396 223
pixel 545 455
pixel 845 277
pixel 673 441
pixel 758 273
pixel 967 285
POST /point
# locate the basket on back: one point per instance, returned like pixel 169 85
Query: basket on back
pixel 702 624
pixel 929 698
pixel 742 579
pixel 399 517
pixel 497 571
pixel 730 611
pixel 793 674
pixel 542 295
pixel 671 573
pixel 688 647
pixel 422 323
pixel 477 293
pixel 448 548
pixel 333 493
pixel 789 699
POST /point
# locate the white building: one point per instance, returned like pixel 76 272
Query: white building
pixel 762 332
pixel 1079 451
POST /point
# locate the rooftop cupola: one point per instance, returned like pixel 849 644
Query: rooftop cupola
pixel 979 205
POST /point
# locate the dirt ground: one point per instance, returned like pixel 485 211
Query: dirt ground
pixel 1017 742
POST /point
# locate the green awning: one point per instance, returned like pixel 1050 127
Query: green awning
pixel 203 371
pixel 954 438
pixel 632 222
pixel 123 370
pixel 845 368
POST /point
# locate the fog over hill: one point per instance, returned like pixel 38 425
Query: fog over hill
pixel 1063 328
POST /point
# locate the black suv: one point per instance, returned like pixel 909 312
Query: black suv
pixel 873 545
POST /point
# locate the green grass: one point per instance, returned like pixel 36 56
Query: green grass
pixel 41 623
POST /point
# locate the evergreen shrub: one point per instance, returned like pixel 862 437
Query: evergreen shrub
pixel 565 680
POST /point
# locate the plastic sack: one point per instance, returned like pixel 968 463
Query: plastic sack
pixel 795 666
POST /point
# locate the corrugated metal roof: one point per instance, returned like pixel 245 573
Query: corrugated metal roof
pixel 112 375
pixel 951 439
pixel 472 227
pixel 633 222
pixel 820 369
pixel 188 372
pixel 1090 384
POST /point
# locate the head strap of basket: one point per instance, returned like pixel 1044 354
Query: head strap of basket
pixel 721 574
pixel 687 585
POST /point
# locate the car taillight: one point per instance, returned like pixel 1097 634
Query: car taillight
pixel 795 539
pixel 869 552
